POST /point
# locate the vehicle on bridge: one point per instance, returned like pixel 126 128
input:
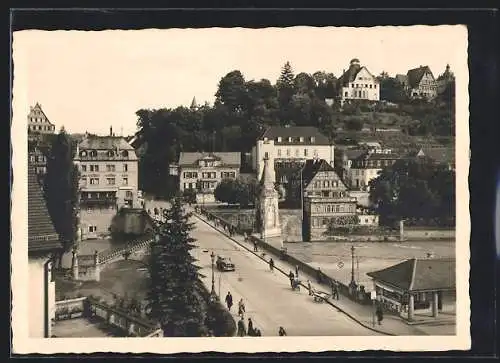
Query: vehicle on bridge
pixel 225 264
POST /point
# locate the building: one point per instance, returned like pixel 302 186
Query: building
pixel 420 83
pixel 288 148
pixel 204 171
pixel 38 122
pixel 43 243
pixel 325 198
pixel 416 284
pixel 357 83
pixel 444 79
pixel 444 156
pixel 109 178
pixel 361 167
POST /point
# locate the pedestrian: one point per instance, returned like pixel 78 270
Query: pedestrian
pixel 241 308
pixel 336 290
pixel 291 276
pixel 380 315
pixel 281 332
pixel 319 276
pixel 250 327
pixel 241 328
pixel 255 249
pixel 229 300
pixel 258 333
pixel 297 271
pixel 309 287
pixel 271 265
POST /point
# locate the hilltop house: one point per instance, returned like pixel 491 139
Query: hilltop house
pixel 288 148
pixel 444 79
pixel 440 155
pixel 43 243
pixel 357 83
pixel 204 171
pixel 420 83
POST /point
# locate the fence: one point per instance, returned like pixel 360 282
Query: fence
pixel 113 317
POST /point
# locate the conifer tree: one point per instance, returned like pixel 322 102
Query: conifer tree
pixel 286 90
pixel 173 297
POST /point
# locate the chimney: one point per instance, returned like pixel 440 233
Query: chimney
pixel 111 131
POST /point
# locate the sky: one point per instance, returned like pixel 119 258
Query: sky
pixel 89 81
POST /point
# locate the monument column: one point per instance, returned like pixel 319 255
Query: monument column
pixel 268 206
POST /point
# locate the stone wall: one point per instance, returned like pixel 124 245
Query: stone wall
pixel 99 217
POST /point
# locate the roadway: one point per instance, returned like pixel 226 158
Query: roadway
pixel 268 297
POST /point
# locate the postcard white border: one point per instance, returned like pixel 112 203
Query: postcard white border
pixel 22 344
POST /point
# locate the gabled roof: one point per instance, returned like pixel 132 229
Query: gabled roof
pixel 92 142
pixel 419 274
pixel 38 107
pixel 313 167
pixel 42 236
pixel 442 155
pixel 227 158
pixel 415 75
pixel 351 154
pixel 296 132
pixel 351 74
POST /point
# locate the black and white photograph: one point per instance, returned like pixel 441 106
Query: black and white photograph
pixel 240 190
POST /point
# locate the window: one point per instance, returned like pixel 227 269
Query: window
pixel 111 181
pixel 125 167
pixel 374 86
pixel 297 152
pixel 125 181
pixel 326 184
pixel 279 152
pixel 94 181
pixel 110 168
pixel 289 139
pixel 84 180
pixel 94 167
pixel 345 95
pixel 288 152
pixel 92 229
pixel 312 138
pixel 305 152
pixel 315 152
pixel 280 139
pixel 128 194
pixel 352 84
pixel 301 139
pixel 266 155
pixel 84 167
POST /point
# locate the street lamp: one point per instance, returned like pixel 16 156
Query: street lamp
pixel 212 256
pixel 353 280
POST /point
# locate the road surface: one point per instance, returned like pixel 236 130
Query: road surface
pixel 268 297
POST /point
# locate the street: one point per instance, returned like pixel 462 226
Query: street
pixel 268 297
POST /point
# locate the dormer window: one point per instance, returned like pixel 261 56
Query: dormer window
pixel 93 153
pixel 266 139
pixel 289 139
pixel 111 153
pixel 83 153
pixel 301 139
pixel 280 139
pixel 312 138
pixel 125 153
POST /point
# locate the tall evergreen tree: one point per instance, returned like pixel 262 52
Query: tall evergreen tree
pixel 286 90
pixel 61 190
pixel 173 297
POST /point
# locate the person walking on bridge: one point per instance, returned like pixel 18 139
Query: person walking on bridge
pixel 241 328
pixel 271 265
pixel 241 308
pixel 282 332
pixel 229 300
pixel 291 276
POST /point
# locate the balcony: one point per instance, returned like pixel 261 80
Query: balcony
pixel 98 201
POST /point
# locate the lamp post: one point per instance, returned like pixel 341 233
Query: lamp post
pixel 212 256
pixel 353 280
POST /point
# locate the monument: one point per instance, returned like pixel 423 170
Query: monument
pixel 267 208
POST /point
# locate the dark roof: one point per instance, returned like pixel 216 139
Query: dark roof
pixel 351 154
pixel 419 274
pixel 295 132
pixel 227 158
pixel 443 155
pixel 313 167
pixel 42 236
pixel 350 75
pixel 415 75
pixel 104 143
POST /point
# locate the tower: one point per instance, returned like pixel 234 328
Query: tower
pixel 268 205
pixel 194 104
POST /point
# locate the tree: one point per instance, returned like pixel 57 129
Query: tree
pixel 286 90
pixel 233 191
pixel 173 297
pixel 354 125
pixel 417 190
pixel 232 91
pixel 61 191
pixel 392 90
